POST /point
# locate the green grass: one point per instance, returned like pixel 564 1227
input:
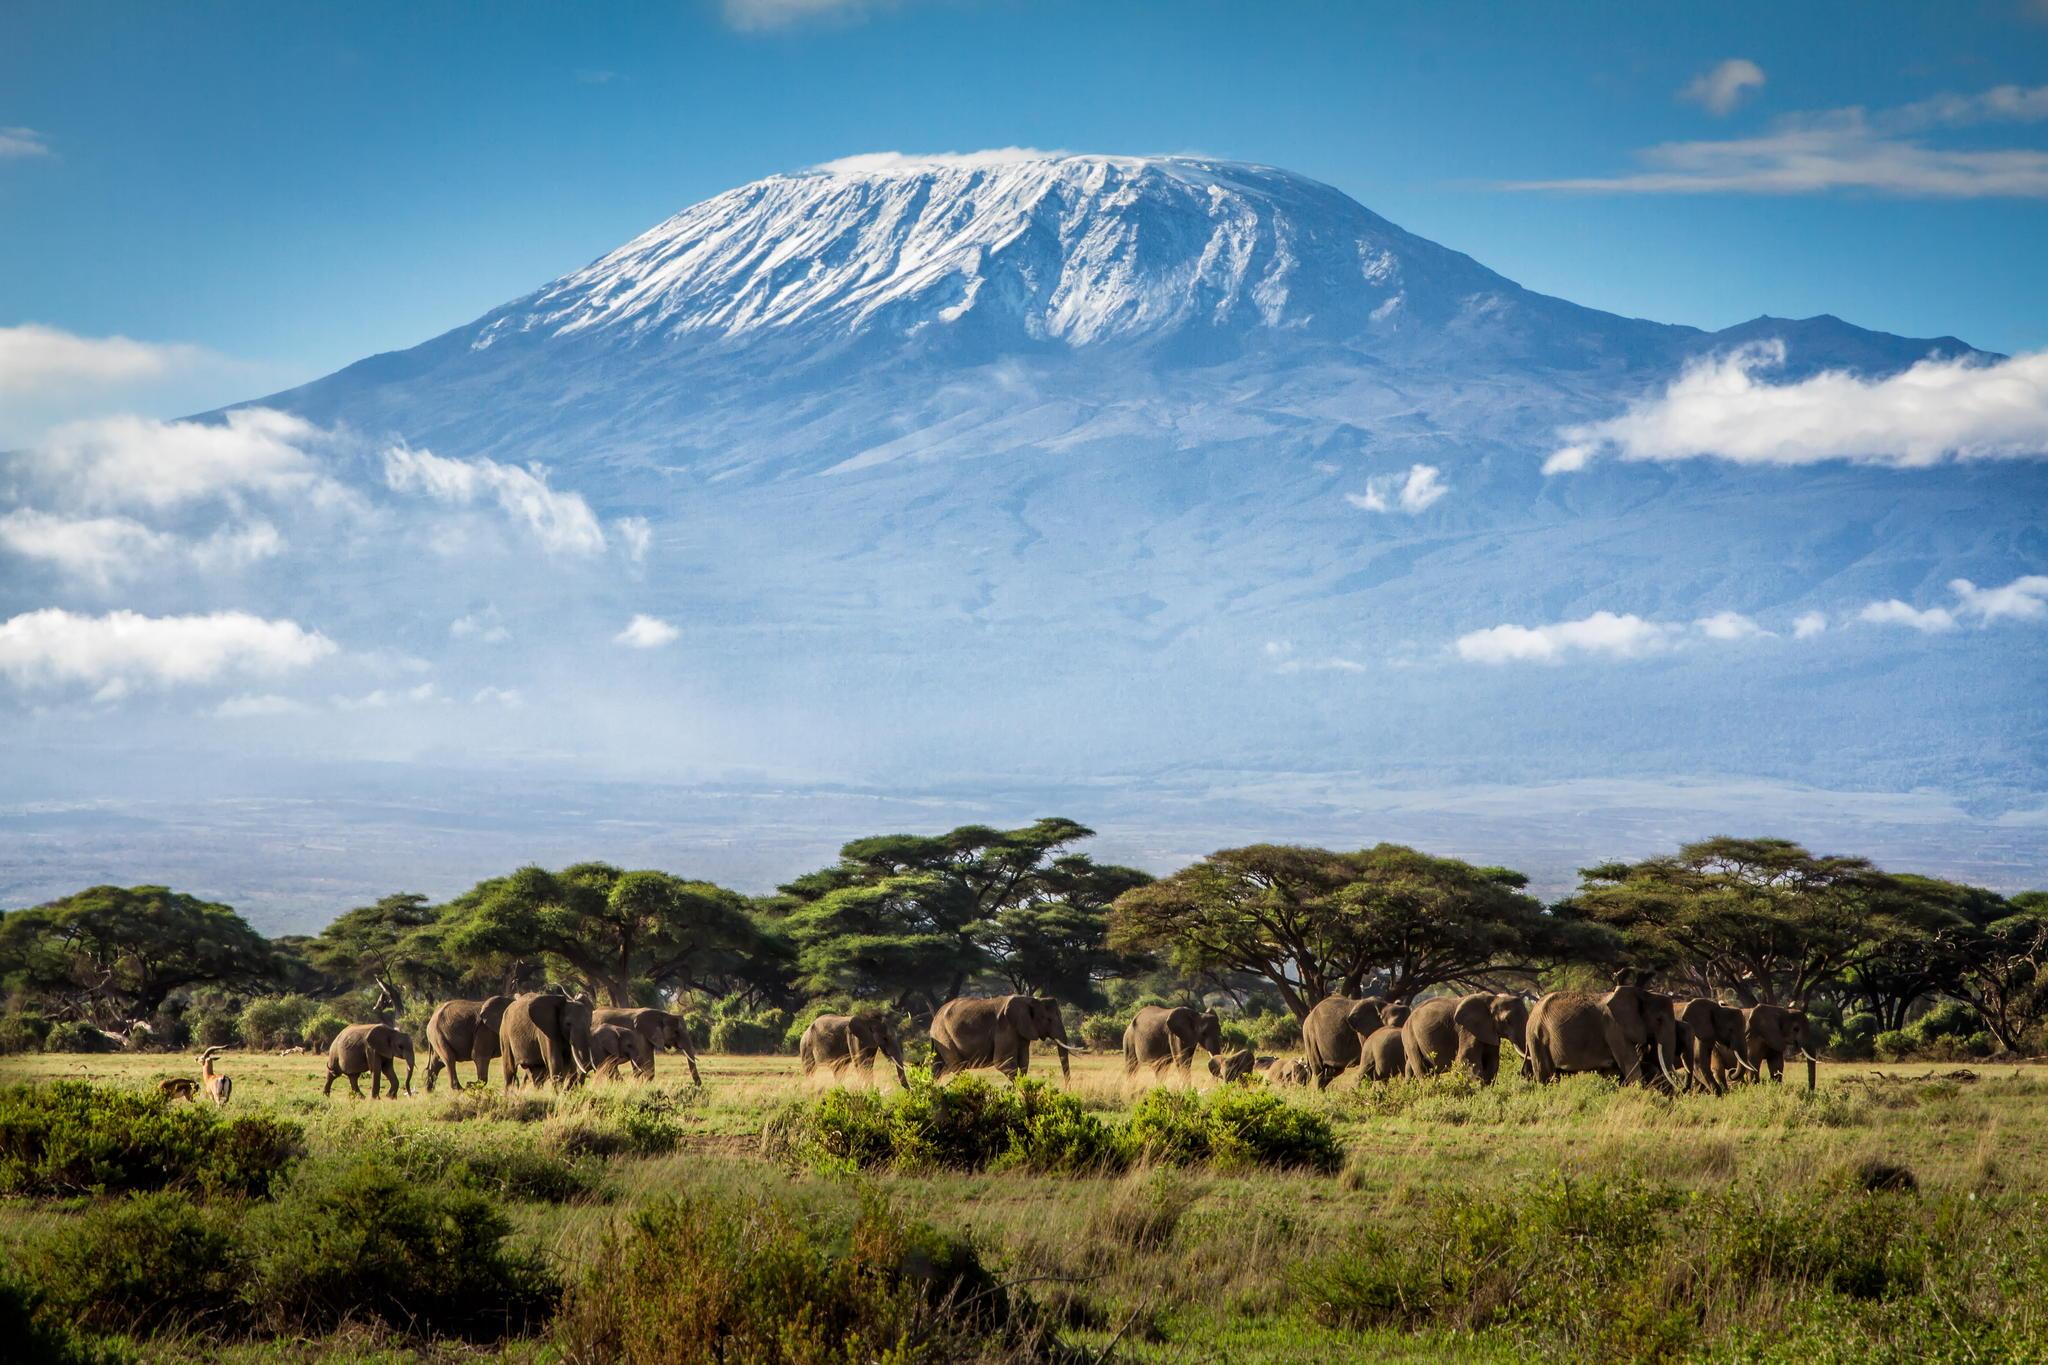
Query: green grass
pixel 1205 1263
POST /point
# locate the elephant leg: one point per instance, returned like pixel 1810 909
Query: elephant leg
pixel 328 1089
pixel 355 1085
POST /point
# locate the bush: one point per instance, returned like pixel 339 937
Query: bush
pixel 70 1138
pixel 1949 1019
pixel 141 1264
pixel 349 1239
pixel 967 1125
pixel 320 1028
pixel 22 1031
pixel 212 1026
pixel 748 1034
pixel 70 1036
pixel 706 1279
pixel 274 1021
pixel 1171 1126
pixel 1237 1126
pixel 34 1337
pixel 1894 1045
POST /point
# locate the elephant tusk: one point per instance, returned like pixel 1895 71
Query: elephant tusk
pixel 1068 1046
pixel 1666 1070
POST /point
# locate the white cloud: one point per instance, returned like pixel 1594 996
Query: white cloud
pixel 1622 637
pixel 1729 625
pixel 105 550
pixel 122 649
pixel 383 698
pixel 259 705
pixel 136 461
pixel 636 535
pixel 1281 653
pixel 507 697
pixel 482 626
pixel 1420 488
pixel 755 16
pixel 561 521
pixel 1887 151
pixel 647 632
pixel 2023 599
pixel 1937 410
pixel 1893 612
pixel 1720 88
pixel 35 358
pixel 21 143
pixel 1809 624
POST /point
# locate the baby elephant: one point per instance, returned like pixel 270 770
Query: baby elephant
pixel 1287 1071
pixel 1232 1066
pixel 372 1048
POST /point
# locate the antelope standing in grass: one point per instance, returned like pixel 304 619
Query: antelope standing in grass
pixel 217 1086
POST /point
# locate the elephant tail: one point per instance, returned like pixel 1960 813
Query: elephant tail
pixel 808 1055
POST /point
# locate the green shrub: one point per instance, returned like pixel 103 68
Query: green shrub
pixel 1279 1031
pixel 1949 1019
pixel 969 1124
pixel 71 1036
pixel 35 1337
pixel 138 1265
pixel 1257 1128
pixel 320 1028
pixel 1894 1045
pixel 707 1279
pixel 68 1137
pixel 1172 1127
pixel 213 1026
pixel 742 1034
pixel 22 1031
pixel 345 1240
pixel 274 1021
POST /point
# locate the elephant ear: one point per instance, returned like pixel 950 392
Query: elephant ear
pixel 1018 1012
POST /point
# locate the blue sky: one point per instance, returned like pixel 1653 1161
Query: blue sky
pixel 290 187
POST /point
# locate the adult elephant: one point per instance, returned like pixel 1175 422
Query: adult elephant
pixel 843 1040
pixel 1160 1036
pixel 547 1036
pixel 1446 1032
pixel 1627 1031
pixel 1386 1054
pixel 464 1031
pixel 615 1045
pixel 997 1031
pixel 660 1028
pixel 1771 1033
pixel 1333 1036
pixel 374 1048
pixel 1710 1039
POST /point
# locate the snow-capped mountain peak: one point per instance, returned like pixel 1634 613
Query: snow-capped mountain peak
pixel 1044 247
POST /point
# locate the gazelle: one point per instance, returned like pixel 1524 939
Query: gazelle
pixel 217 1086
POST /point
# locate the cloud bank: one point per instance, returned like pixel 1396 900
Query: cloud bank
pixel 1890 151
pixel 561 521
pixel 1935 411
pixel 34 358
pixel 137 461
pixel 102 551
pixel 123 649
pixel 17 144
pixel 1603 633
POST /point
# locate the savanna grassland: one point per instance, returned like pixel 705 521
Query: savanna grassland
pixel 1895 1213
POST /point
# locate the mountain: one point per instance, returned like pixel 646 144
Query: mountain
pixel 1157 491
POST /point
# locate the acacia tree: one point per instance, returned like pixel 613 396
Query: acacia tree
pixel 608 927
pixel 2005 977
pixel 1316 923
pixel 1762 918
pixel 110 952
pixel 917 918
pixel 1919 945
pixel 381 945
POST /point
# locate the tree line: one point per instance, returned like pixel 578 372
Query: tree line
pixel 908 922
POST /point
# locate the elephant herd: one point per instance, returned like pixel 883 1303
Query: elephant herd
pixel 1631 1032
pixel 547 1036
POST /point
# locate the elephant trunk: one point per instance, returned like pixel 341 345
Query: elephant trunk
pixel 408 1071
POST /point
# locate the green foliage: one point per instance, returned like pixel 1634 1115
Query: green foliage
pixel 1315 923
pixel 68 1137
pixel 611 928
pixel 22 1031
pixel 214 1026
pixel 969 1124
pixel 274 1021
pixel 711 1279
pixel 739 1031
pixel 1233 1127
pixel 321 1026
pixel 37 1337
pixel 139 1265
pixel 358 1238
pixel 134 945
pixel 71 1036
pixel 914 917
